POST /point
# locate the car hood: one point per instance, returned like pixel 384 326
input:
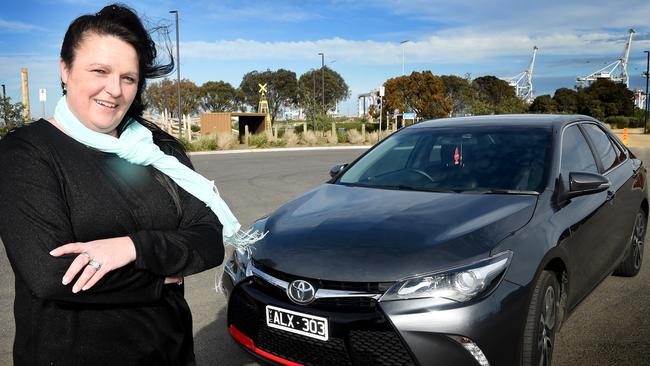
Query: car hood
pixel 344 233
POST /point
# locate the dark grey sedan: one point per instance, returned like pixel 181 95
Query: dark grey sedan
pixel 462 241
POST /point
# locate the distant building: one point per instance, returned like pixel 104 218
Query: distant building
pixel 639 98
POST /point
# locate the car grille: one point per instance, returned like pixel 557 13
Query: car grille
pixel 366 340
pixel 351 303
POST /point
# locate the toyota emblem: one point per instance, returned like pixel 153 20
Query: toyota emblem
pixel 301 292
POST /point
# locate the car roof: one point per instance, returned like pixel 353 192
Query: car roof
pixel 515 120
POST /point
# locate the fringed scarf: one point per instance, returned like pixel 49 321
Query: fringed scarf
pixel 136 145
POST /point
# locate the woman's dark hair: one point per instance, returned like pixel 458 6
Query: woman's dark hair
pixel 122 22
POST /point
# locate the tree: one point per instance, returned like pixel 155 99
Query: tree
pixel 419 92
pixel 11 115
pixel 496 96
pixel 610 98
pixel 459 92
pixel 310 91
pixel 566 100
pixel 543 104
pixel 218 96
pixel 163 95
pixel 282 89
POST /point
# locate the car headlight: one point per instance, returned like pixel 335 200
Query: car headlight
pixel 460 284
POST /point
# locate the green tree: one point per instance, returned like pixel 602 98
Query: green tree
pixel 282 89
pixel 310 91
pixel 459 92
pixel 495 96
pixel 608 98
pixel 566 100
pixel 163 95
pixel 11 115
pixel 218 96
pixel 543 104
pixel 419 92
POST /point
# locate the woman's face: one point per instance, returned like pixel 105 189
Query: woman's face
pixel 102 81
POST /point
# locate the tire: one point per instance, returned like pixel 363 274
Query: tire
pixel 631 265
pixel 542 322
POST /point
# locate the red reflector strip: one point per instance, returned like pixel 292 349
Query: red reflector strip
pixel 248 343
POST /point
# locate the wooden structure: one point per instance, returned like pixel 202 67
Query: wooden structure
pixel 221 122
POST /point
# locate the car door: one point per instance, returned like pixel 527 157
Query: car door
pixel 586 216
pixel 620 209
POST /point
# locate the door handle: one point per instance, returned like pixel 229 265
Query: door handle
pixel 610 195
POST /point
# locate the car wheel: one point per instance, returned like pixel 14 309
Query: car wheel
pixel 631 265
pixel 542 321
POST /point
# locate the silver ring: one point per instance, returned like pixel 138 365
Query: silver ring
pixel 94 265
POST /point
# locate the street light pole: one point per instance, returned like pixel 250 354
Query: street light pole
pixel 3 91
pixel 402 43
pixel 322 76
pixel 178 75
pixel 647 97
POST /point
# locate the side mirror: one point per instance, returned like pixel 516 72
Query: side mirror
pixel 336 169
pixel 581 184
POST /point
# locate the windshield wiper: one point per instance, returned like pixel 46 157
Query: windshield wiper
pixel 501 191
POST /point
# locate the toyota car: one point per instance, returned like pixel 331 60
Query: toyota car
pixel 460 241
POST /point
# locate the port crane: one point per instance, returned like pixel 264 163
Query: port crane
pixel 616 71
pixel 523 82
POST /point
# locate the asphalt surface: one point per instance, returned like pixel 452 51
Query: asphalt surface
pixel 611 327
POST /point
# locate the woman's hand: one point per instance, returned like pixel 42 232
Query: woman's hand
pixel 96 258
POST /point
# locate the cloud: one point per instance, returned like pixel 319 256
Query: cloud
pixel 445 47
pixel 13 26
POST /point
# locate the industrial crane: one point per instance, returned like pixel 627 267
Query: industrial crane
pixel 523 82
pixel 616 71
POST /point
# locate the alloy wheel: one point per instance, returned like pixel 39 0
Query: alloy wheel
pixel 638 238
pixel 546 327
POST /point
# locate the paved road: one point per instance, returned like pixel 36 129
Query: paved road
pixel 610 328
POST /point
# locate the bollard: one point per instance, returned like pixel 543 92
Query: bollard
pixel 304 128
pixel 247 136
pixel 333 128
pixel 275 132
pixel 625 136
pixel 363 131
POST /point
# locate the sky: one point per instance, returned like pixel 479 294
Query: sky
pixel 223 40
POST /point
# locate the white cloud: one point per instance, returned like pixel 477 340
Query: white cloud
pixel 13 26
pixel 445 47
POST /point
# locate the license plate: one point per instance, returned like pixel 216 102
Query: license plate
pixel 298 323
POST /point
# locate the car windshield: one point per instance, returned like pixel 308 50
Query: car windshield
pixel 495 159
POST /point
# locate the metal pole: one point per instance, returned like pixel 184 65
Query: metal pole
pixel 402 43
pixel 313 98
pixel 647 97
pixel 322 76
pixel 178 75
pixel 3 91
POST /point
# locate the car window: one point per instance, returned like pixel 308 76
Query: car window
pixel 576 154
pixel 460 158
pixel 608 154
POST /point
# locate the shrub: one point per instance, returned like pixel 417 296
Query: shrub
pixel 195 128
pixel 618 121
pixel 260 140
pixel 371 138
pixel 342 137
pixel 309 138
pixel 331 138
pixel 355 137
pixel 290 138
pixel 224 140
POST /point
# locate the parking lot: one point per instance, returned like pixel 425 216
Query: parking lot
pixel 610 328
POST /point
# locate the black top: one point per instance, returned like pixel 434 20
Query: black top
pixel 54 191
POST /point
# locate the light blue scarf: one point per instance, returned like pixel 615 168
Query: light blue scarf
pixel 136 145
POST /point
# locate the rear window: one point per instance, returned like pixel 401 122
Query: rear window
pixel 464 158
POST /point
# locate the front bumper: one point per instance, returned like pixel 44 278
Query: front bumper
pixel 366 332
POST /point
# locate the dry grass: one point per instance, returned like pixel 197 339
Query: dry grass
pixel 224 140
pixel 309 138
pixel 291 138
pixel 331 138
pixel 355 137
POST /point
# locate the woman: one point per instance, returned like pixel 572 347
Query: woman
pixel 100 239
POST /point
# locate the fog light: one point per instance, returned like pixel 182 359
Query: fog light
pixel 473 349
